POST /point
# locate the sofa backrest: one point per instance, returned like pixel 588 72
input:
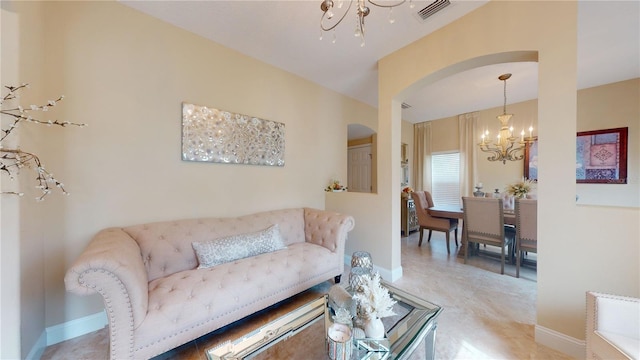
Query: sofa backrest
pixel 166 246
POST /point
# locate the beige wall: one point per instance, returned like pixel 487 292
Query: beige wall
pixel 126 74
pixel 22 235
pixel 572 254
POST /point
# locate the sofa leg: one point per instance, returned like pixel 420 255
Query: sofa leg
pixel 337 279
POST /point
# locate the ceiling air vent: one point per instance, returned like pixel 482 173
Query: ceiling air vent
pixel 432 8
pixel 405 105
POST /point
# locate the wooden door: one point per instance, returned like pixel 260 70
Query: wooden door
pixel 359 168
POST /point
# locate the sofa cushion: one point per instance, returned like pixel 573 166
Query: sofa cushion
pixel 229 248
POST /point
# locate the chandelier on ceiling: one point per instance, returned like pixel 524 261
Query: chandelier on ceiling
pixel 506 146
pixel 327 22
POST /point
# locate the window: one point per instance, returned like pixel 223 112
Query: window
pixel 445 179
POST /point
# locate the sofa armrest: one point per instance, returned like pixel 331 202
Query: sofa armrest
pixel 112 266
pixel 327 228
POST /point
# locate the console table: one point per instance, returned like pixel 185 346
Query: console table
pixel 408 216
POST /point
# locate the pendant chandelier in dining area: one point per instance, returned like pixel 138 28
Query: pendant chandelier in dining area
pixel 507 146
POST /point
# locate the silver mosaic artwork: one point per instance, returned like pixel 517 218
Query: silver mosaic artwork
pixel 218 136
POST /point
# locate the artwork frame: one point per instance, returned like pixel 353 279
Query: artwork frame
pixel 219 136
pixel 531 161
pixel 601 156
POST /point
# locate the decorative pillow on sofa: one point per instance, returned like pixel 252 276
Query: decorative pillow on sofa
pixel 234 247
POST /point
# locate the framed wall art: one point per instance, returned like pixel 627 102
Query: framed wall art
pixel 531 161
pixel 219 136
pixel 601 156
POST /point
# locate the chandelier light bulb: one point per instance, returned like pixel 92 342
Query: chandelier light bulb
pixel 329 14
pixel 391 18
pixel 411 4
pixel 340 3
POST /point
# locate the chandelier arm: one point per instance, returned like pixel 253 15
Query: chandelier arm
pixel 338 22
pixel 496 152
pixel 513 156
pixel 386 6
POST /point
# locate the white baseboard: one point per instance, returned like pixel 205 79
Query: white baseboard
pixel 561 342
pixel 390 276
pixel 75 328
pixel 38 348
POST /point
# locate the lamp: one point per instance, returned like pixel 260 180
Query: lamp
pixel 362 10
pixel 506 146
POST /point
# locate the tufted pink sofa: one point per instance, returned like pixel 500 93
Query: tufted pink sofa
pixel 156 299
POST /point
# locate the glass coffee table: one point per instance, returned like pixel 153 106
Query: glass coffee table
pixel 301 333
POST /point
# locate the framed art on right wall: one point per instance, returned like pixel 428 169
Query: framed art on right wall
pixel 531 161
pixel 601 156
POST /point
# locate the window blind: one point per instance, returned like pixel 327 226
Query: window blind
pixel 445 179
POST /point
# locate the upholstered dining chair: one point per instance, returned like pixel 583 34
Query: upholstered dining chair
pixel 423 201
pixel 526 211
pixel 484 224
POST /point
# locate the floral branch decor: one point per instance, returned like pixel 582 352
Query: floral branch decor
pixel 521 188
pixel 14 159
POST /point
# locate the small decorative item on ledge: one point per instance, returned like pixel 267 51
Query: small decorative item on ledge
pixel 335 186
pixel 406 192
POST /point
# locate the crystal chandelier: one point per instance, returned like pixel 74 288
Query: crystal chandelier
pixel 506 145
pixel 327 22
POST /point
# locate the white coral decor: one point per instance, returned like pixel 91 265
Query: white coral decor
pixel 374 299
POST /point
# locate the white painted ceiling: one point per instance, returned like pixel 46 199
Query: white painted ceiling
pixel 286 34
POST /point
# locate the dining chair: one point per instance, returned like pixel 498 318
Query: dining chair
pixel 484 224
pixel 423 201
pixel 526 211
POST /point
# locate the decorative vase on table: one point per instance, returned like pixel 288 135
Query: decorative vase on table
pixel 374 328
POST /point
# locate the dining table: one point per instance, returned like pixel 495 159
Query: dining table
pixel 456 212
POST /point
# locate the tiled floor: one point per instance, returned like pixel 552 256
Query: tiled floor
pixel 486 315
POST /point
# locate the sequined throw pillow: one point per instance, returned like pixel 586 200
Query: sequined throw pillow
pixel 230 248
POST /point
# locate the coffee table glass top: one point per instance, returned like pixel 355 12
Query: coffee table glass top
pixel 301 333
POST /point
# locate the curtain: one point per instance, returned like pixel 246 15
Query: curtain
pixel 422 156
pixel 467 124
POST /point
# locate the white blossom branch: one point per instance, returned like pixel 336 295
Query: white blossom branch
pixel 12 160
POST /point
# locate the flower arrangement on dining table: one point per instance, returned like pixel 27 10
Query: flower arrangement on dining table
pixel 521 188
pixel 335 185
